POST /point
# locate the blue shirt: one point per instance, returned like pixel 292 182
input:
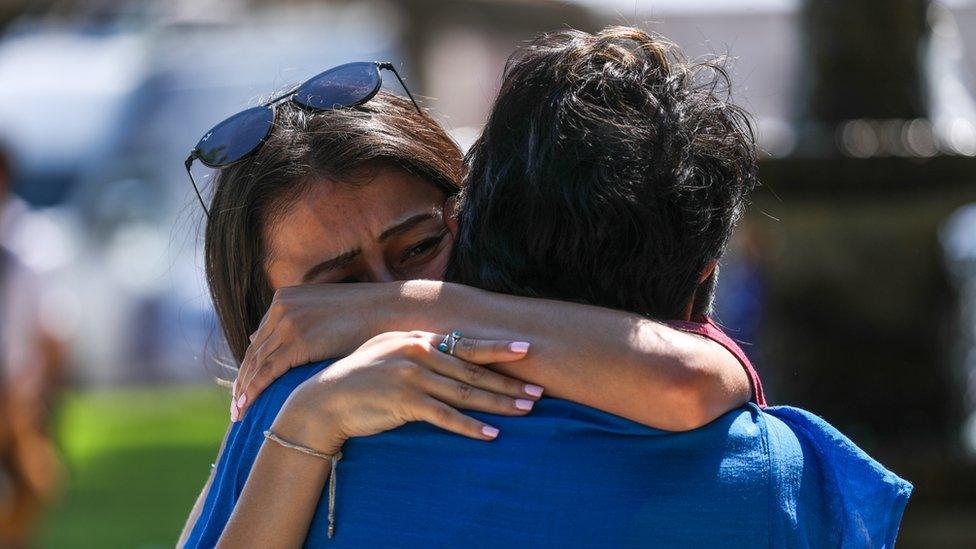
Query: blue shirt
pixel 570 475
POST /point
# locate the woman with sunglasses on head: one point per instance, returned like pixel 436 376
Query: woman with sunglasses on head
pixel 344 183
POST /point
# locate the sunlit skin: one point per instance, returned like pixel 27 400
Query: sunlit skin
pixel 388 227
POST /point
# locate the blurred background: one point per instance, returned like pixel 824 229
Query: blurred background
pixel 852 282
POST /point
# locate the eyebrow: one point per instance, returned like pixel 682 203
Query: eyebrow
pixel 346 258
pixel 407 224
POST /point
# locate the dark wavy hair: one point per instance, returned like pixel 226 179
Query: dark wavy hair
pixel 304 148
pixel 611 172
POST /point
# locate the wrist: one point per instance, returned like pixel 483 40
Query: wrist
pixel 316 427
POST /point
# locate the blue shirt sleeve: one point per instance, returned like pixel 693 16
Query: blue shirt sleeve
pixel 240 450
pixel 835 492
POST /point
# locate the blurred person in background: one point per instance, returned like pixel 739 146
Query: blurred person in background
pixel 30 369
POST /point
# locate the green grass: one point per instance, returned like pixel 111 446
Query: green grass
pixel 135 461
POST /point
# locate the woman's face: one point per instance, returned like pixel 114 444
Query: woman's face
pixel 390 227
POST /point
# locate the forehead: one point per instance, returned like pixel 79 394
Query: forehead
pixel 333 217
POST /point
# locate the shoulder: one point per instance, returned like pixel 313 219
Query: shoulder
pixel 270 401
pixel 247 435
pixel 704 326
pixel 822 479
pixel 240 449
pixel 836 454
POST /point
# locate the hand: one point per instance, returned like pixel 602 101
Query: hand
pixel 400 377
pixel 302 326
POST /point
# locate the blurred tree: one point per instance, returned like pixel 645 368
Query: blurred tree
pixel 860 318
pixel 865 58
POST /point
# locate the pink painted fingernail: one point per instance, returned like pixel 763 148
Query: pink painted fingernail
pixel 524 404
pixel 235 412
pixel 241 401
pixel 489 431
pixel 520 347
pixel 533 390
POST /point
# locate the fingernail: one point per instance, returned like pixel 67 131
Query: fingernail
pixel 489 431
pixel 519 347
pixel 533 390
pixel 251 337
pixel 241 401
pixel 235 412
pixel 524 404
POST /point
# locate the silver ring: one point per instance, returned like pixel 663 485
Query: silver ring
pixel 449 342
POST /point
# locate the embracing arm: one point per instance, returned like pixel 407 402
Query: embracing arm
pixel 282 489
pixel 618 362
pixel 393 379
pixel 614 361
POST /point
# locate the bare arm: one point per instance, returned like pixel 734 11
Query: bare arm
pixel 618 362
pixel 279 499
pixel 393 379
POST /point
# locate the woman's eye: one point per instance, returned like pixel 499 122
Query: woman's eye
pixel 423 247
pixel 348 280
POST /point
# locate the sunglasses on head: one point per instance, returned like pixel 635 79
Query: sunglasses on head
pixel 242 134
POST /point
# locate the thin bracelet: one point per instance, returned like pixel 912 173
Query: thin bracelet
pixel 332 458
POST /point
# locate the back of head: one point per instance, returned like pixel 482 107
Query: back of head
pixel 610 172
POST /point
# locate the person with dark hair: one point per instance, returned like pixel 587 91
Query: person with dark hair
pixel 356 194
pixel 606 174
pixel 610 173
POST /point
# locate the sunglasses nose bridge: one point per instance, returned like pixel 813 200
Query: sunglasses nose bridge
pixel 284 95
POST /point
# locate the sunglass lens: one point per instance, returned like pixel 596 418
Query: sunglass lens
pixel 343 86
pixel 236 137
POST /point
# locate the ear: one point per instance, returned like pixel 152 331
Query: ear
pixel 449 212
pixel 707 271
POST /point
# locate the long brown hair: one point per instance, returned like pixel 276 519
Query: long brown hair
pixel 305 147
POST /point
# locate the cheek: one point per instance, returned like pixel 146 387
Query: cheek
pixel 280 275
pixel 274 280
